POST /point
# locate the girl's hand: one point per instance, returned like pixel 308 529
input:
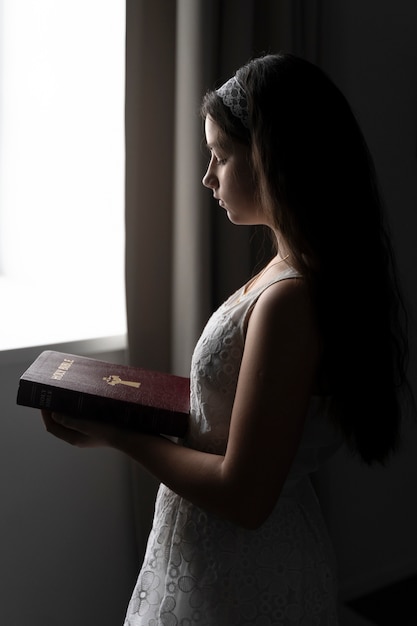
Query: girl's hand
pixel 80 432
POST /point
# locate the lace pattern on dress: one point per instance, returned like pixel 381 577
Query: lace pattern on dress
pixel 200 570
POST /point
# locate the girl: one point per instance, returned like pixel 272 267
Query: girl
pixel 308 353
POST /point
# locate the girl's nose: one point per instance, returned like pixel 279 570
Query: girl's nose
pixel 209 179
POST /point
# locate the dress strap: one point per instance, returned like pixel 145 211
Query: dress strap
pixel 254 293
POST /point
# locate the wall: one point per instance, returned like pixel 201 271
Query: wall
pixel 370 50
pixel 68 554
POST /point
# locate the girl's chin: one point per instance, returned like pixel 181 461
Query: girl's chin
pixel 235 219
pixel 231 218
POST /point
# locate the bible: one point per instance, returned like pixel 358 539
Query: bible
pixel 132 397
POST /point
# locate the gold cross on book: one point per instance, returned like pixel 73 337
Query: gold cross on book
pixel 116 380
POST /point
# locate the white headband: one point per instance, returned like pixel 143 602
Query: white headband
pixel 234 97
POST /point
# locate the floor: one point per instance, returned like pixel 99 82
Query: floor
pixel 395 605
pixel 349 617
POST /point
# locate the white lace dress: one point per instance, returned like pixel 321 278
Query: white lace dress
pixel 200 570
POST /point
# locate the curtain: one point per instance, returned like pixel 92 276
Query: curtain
pixel 183 257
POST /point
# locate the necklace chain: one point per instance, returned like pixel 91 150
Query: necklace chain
pixel 254 280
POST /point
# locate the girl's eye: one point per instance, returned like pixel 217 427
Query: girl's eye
pixel 220 160
pixel 217 159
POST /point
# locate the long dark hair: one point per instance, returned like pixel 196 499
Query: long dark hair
pixel 317 180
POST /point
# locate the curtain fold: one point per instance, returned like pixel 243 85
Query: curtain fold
pixel 196 27
pixel 149 124
pixel 183 257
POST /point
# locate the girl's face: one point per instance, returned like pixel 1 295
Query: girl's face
pixel 229 175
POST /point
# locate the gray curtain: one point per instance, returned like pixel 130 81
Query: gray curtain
pixel 182 256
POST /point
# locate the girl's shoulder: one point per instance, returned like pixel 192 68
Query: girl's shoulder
pixel 286 297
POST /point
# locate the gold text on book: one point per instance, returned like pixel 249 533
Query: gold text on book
pixel 62 369
pixel 116 380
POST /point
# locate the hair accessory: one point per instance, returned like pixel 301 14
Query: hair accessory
pixel 234 97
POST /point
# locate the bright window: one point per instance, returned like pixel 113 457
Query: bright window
pixel 61 170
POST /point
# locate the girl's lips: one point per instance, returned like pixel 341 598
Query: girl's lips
pixel 219 200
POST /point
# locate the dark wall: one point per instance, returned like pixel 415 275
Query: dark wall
pixel 370 50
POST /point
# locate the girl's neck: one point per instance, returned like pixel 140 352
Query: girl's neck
pixel 269 271
pixel 281 246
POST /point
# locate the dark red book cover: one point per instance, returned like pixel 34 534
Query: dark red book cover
pixel 136 398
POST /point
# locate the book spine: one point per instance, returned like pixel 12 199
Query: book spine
pixel 126 414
